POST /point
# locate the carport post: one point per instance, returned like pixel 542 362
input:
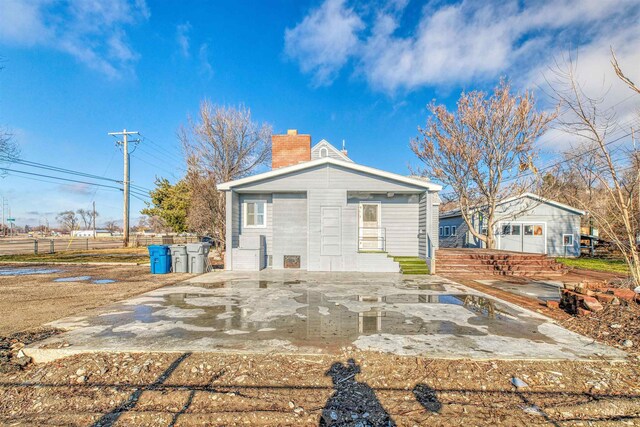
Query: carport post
pixel 52 248
pixel 35 246
pixel 87 244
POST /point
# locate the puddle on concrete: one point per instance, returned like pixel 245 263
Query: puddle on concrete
pixel 235 314
pixel 103 281
pixel 26 271
pixel 72 279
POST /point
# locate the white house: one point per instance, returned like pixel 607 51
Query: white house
pixel 318 210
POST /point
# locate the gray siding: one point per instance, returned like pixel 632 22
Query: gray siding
pixel 460 239
pixel 422 218
pixel 332 152
pixel 558 221
pixel 289 228
pixel 294 222
pixel 235 219
pixel 327 176
pixel 399 216
pixel 263 231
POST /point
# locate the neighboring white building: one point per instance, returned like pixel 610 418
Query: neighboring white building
pixel 91 233
pixel 317 210
pixel 526 223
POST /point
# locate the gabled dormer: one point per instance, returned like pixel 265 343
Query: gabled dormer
pixel 324 149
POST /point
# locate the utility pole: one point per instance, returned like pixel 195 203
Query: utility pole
pixel 94 219
pixel 4 207
pixel 125 150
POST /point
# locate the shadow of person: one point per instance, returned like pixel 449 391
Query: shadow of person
pixel 353 403
pixel 426 396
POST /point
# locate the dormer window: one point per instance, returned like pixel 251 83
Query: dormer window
pixel 324 152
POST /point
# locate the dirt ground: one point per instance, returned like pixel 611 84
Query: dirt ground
pixel 372 389
pixel 30 301
pixel 613 326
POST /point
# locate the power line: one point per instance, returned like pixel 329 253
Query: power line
pixel 59 178
pixel 57 169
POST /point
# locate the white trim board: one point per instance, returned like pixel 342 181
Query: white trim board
pixel 329 161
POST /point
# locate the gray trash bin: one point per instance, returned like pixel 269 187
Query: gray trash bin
pixel 179 259
pixel 198 257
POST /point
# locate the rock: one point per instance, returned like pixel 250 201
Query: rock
pixel 22 361
pixel 623 294
pixel 553 304
pixel 298 410
pixel 136 370
pixel 81 380
pixel 80 372
pixel 292 405
pixel 637 290
pixel 607 299
pixel 615 326
pixel 591 304
pixel 627 343
pixel 518 382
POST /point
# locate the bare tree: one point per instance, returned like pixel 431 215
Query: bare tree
pixel 68 220
pixel 86 215
pixel 481 150
pixel 222 144
pixel 111 226
pixel 614 167
pixel 9 150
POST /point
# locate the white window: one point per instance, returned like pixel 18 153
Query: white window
pixel 446 231
pixel 567 239
pixel 324 152
pixel 255 214
pixel 441 232
pixel 453 230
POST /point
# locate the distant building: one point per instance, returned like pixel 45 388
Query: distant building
pixel 90 233
pixel 527 223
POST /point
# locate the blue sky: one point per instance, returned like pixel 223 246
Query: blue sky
pixel 337 69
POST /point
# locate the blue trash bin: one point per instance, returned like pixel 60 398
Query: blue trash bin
pixel 160 257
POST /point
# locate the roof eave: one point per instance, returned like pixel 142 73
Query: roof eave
pixel 226 186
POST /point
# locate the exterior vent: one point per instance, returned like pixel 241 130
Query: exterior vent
pixel 292 261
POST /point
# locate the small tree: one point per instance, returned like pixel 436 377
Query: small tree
pixel 171 203
pixel 223 144
pixel 481 150
pixel 68 220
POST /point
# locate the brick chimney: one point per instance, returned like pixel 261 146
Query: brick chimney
pixel 290 149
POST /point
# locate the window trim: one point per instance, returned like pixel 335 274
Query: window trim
pixel 244 213
pixel 454 231
pixel 326 151
pixel 441 232
pixel 572 240
pixel 447 230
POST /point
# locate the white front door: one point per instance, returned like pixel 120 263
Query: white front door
pixel 370 233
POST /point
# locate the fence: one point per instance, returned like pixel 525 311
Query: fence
pixel 49 246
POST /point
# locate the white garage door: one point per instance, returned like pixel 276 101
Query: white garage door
pixel 523 237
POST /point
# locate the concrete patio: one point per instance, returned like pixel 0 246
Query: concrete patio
pixel 319 313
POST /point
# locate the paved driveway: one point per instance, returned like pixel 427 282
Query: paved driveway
pixel 322 313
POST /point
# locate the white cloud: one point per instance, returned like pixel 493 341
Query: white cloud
pixel 451 43
pixel 91 31
pixel 323 42
pixel 205 66
pixel 182 38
